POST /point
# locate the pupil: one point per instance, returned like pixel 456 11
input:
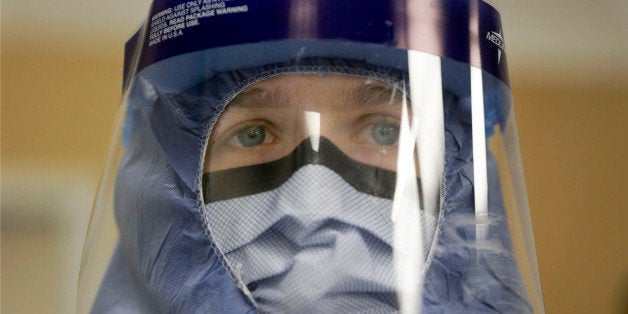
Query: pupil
pixel 385 134
pixel 252 136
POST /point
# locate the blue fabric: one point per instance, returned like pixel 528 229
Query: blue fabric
pixel 471 278
pixel 163 246
pixel 167 262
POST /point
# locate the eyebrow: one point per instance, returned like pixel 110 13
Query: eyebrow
pixel 257 97
pixel 371 93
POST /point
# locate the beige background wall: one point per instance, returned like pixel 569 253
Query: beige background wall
pixel 61 64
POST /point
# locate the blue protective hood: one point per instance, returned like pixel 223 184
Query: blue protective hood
pixel 165 260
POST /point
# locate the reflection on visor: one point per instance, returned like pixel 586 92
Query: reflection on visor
pixel 248 180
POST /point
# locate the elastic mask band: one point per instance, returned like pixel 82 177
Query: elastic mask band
pixel 226 184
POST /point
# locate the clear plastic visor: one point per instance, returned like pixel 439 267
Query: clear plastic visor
pixel 320 192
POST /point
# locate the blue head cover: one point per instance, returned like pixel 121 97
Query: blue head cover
pixel 167 261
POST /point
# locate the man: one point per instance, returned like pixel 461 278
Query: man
pixel 321 169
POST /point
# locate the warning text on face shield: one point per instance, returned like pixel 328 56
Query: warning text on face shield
pixel 172 22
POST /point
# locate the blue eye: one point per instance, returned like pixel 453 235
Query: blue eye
pixel 384 133
pixel 252 136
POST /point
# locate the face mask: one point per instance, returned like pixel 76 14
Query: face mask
pixel 308 232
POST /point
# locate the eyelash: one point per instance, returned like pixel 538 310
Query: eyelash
pixel 368 121
pixel 231 138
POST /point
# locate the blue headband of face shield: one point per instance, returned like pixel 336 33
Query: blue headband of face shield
pixel 167 261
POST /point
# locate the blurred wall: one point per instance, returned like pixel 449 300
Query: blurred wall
pixel 61 63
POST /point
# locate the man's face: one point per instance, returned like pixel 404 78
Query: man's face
pixel 300 173
pixel 270 118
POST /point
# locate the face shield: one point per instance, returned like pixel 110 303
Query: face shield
pixel 291 156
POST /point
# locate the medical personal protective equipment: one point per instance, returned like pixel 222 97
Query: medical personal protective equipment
pixel 313 156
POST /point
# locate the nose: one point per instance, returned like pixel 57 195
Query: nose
pixel 320 205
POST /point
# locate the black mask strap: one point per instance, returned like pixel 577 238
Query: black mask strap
pixel 231 183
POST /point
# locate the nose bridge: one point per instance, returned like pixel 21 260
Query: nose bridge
pixel 312 121
pixel 313 128
pixel 319 117
pixel 321 128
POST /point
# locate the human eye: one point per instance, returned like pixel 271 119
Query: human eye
pixel 251 134
pixel 378 130
pixel 244 143
pixel 374 140
pixel 384 133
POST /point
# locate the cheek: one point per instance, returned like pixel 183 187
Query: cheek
pixel 381 157
pixel 372 155
pixel 385 157
pixel 228 158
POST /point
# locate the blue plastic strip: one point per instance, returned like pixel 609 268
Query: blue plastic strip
pixel 457 29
